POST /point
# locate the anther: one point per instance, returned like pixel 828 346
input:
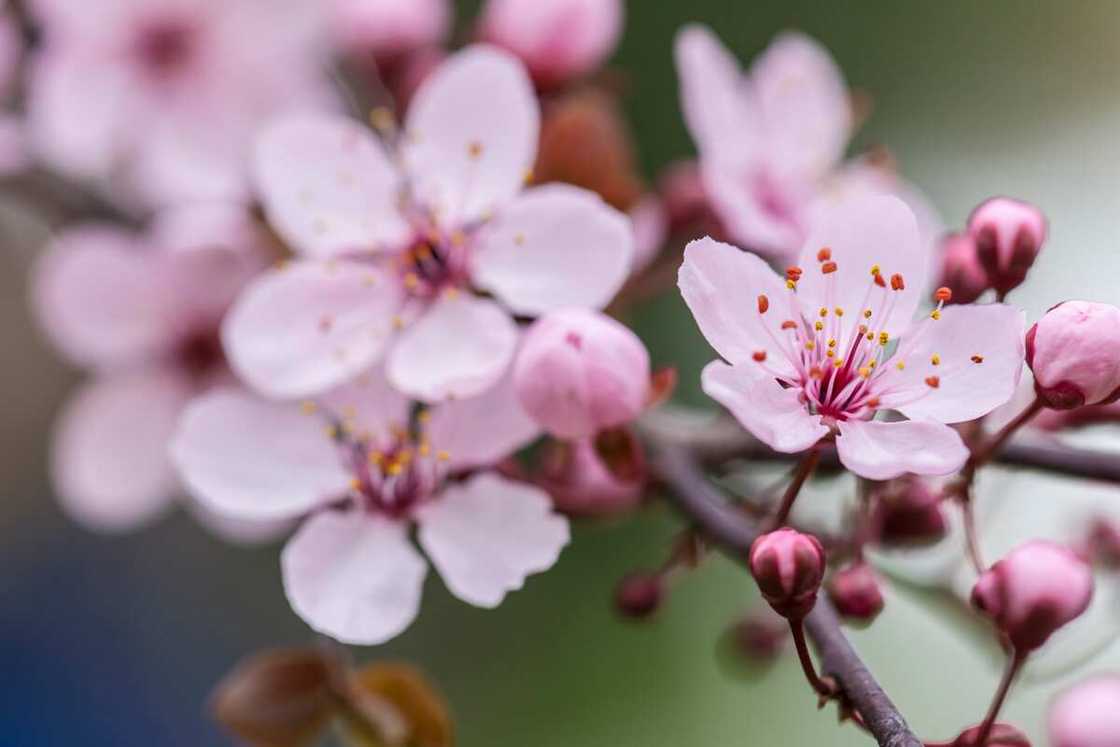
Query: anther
pixel 867 313
pixel 474 150
pixel 838 363
pixel 828 267
pixel 308 407
pixel 875 270
pixel 791 284
pixel 443 456
pixel 823 312
pixel 816 373
pixel 933 382
pixel 818 325
pixel 789 324
pixel 873 402
pixel 901 365
pixel 884 338
pixel 810 345
pixel 943 295
pixel 824 254
pixel 382 119
pixel 977 359
pixel 879 281
pixel 935 314
pixel 935 359
pixel 832 342
pixel 763 304
pixel 759 356
pixel 897 283
pixel 838 311
pixel 864 372
pixel 793 273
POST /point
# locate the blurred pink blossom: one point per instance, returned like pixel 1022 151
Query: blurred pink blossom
pixel 808 356
pixel 180 88
pixel 141 311
pixel 600 476
pixel 1087 714
pixel 388 29
pixel 1008 234
pixel 351 464
pixel 394 242
pixel 557 39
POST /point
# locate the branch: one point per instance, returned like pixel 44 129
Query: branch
pixel 705 506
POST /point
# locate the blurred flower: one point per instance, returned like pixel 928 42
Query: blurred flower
pixel 908 513
pixel 389 29
pixel 855 591
pixel 1033 591
pixel 557 39
pixel 771 141
pixel 788 566
pixel 1001 735
pixel 595 476
pixel 387 251
pixel 961 271
pixel 808 356
pixel 1074 353
pixel 639 594
pixel 1087 715
pixel 1008 235
pixel 141 311
pixel 350 463
pixel 180 88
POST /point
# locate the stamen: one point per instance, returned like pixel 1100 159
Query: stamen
pixel 818 325
pixel 935 314
pixel 764 304
pixel 867 313
pixel 901 365
pixel 977 359
pixel 789 324
pixel 759 356
pixel 943 295
pixel 935 359
pixel 879 281
pixel 873 402
pixel 828 267
pixel 824 254
pixel 884 338
pixel 443 456
pixel 823 312
pixel 310 408
pixel 933 382
pixel 838 311
pixel 897 283
pixel 865 372
pixel 474 149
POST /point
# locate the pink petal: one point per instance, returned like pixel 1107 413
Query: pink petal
pixel 774 415
pixel 102 298
pixel 239 531
pixel 390 27
pixel 804 105
pixel 471 134
pixel 368 405
pixel 722 286
pixel 248 458
pixel 109 459
pixel 883 451
pixel 460 347
pixel 353 577
pixel 482 430
pixel 306 327
pixel 867 231
pixel 756 210
pixel 328 186
pixel 487 534
pixel 651 229
pixel 980 352
pixel 554 246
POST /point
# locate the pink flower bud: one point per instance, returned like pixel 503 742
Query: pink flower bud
pixel 1087 715
pixel 788 566
pixel 909 514
pixel 639 594
pixel 1001 735
pixel 1033 591
pixel 579 372
pixel 389 28
pixel 855 592
pixel 961 271
pixel 1074 352
pixel 759 637
pixel 596 476
pixel 1008 234
pixel 557 39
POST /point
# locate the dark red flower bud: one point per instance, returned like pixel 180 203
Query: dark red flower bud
pixel 1001 735
pixel 909 513
pixel 855 590
pixel 639 594
pixel 788 567
pixel 1008 235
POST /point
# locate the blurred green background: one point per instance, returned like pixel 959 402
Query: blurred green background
pixel 116 641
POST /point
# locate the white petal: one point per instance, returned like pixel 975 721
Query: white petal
pixel 482 430
pixel 882 451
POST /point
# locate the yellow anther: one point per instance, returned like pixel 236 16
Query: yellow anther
pixel 376 458
pixel 838 362
pixel 394 469
pixel 935 359
pixel 519 239
pixel 424 448
pixel 474 149
pixel 935 315
pixel 865 371
pixel 832 342
pixel 870 336
pixel 527 177
pixel 791 285
pixel 875 270
pixel 405 457
pixel 355 484
pixel 867 313
pixel 838 311
pixel 423 416
pixel 397 322
pixel 823 312
pixel 830 353
pixel 819 325
pixel 443 456
pixel 884 338
pixel 411 280
pixel 810 345
pixel 308 407
pixel 331 431
pixel 900 365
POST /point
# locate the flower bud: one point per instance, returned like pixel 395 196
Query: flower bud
pixel 855 592
pixel 579 372
pixel 961 271
pixel 596 476
pixel 1074 352
pixel 1102 543
pixel 1087 715
pixel 556 39
pixel 639 594
pixel 389 28
pixel 1008 234
pixel 788 566
pixel 909 514
pixel 1001 735
pixel 1033 591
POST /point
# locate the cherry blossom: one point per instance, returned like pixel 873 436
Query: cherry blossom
pixel 389 28
pixel 395 238
pixel 771 141
pixel 141 311
pixel 815 354
pixel 181 87
pixel 362 474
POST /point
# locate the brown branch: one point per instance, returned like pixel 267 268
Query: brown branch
pixel 706 507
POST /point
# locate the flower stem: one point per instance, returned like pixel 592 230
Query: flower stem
pixel 971 540
pixel 801 473
pixel 984 453
pixel 820 686
pixel 1014 664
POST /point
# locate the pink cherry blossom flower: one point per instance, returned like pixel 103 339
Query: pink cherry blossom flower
pixel 351 463
pixel 816 353
pixel 393 242
pixel 180 88
pixel 1074 353
pixel 557 39
pixel 771 141
pixel 1087 715
pixel 389 28
pixel 141 311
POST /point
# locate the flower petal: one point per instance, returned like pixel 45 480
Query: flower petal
pixel 554 246
pixel 722 285
pixel 882 451
pixel 306 327
pixel 458 348
pixel 865 231
pixel 773 414
pixel 109 459
pixel 485 535
pixel 980 352
pixel 482 430
pixel 328 186
pixel 756 210
pixel 471 134
pixel 248 458
pixel 353 577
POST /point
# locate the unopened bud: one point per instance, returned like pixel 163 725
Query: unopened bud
pixel 909 514
pixel 1102 543
pixel 1087 715
pixel 1033 591
pixel 639 594
pixel 961 271
pixel 1008 235
pixel 788 567
pixel 579 372
pixel 855 592
pixel 1001 735
pixel 1074 352
pixel 597 476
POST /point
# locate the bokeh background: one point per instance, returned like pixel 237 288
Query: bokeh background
pixel 118 640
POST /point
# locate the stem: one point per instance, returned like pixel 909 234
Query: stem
pixel 804 469
pixel 971 541
pixel 984 454
pixel 1014 664
pixel 797 628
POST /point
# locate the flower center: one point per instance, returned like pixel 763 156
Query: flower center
pixel 200 352
pixel 434 264
pixel 166 46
